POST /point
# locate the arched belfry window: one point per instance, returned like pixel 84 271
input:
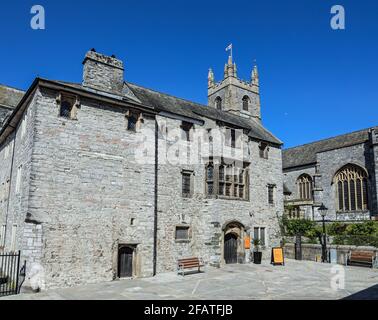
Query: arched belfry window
pixel 304 183
pixel 218 103
pixel 351 189
pixel 246 102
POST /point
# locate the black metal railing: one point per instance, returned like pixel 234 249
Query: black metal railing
pixel 11 276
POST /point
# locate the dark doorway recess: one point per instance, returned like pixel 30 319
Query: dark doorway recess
pixel 230 248
pixel 125 262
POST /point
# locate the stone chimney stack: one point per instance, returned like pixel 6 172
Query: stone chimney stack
pixel 103 73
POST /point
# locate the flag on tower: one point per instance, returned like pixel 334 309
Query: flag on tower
pixel 229 47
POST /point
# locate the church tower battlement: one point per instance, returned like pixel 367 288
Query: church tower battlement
pixel 235 95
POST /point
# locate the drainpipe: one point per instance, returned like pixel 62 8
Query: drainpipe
pixel 155 199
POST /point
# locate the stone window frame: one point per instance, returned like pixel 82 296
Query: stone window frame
pixel 350 199
pixel 218 103
pixel 18 179
pixel 305 187
pixel 271 194
pixel 233 137
pixel 234 179
pixel 246 101
pixel 259 228
pixel 2 235
pixel 138 116
pixel 74 101
pixel 190 173
pixel 24 123
pixel 183 227
pixel 295 213
pixel 186 131
pixel 264 150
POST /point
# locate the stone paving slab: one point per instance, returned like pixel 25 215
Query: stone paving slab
pixel 296 280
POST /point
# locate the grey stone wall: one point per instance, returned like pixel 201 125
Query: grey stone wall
pixel 86 187
pixel 329 163
pixel 5 170
pixel 14 206
pixel 291 176
pixel 311 251
pixel 207 216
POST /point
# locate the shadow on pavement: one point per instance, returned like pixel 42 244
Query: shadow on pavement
pixel 366 294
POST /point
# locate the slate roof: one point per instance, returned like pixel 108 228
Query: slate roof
pixel 10 97
pixel 171 104
pixel 168 103
pixel 306 154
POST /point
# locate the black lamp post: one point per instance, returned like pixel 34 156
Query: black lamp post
pixel 323 212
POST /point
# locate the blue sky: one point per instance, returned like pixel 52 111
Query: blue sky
pixel 315 82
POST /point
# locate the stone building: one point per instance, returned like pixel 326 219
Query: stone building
pixel 340 172
pixel 106 179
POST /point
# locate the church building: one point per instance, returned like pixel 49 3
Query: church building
pixel 339 172
pixel 106 179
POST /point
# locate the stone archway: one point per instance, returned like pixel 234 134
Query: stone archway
pixel 232 242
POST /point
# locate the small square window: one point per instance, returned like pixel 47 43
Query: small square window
pixel 182 233
pixel 133 120
pixel 67 106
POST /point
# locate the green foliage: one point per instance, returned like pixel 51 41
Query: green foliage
pixel 256 243
pixel 358 234
pixel 314 234
pixel 336 228
pixel 366 228
pixel 297 227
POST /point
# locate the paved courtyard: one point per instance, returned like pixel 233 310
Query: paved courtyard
pixel 295 280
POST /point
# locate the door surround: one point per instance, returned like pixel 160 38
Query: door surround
pixel 238 230
pixel 131 248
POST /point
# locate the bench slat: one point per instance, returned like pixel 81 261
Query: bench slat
pixel 189 263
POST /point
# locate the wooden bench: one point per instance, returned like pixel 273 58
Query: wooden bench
pixel 362 258
pixel 189 263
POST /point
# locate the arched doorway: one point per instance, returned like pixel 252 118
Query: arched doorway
pixel 125 262
pixel 233 244
pixel 231 248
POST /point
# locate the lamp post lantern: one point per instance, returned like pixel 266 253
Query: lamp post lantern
pixel 323 212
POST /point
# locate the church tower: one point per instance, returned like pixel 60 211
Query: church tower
pixel 234 95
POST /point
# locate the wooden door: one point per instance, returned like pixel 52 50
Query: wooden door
pixel 125 262
pixel 230 248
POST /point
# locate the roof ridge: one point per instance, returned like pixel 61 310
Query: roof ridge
pixel 167 94
pixel 10 87
pixel 329 138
